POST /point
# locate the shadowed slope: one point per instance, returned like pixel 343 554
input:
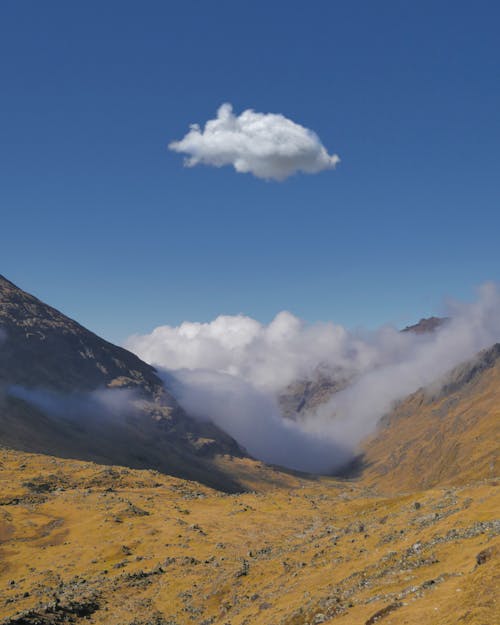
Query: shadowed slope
pixel 44 354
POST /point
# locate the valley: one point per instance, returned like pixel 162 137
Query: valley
pixel 83 542
pixel 142 515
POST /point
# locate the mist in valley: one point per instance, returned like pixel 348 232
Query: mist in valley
pixel 233 369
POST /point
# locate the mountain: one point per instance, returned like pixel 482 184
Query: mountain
pixel 67 392
pixel 429 324
pixel 305 395
pixel 446 434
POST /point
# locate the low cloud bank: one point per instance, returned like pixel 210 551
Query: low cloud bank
pixel 253 418
pixel 233 369
pixel 96 405
pixel 267 145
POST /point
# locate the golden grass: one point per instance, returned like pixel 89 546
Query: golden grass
pixel 451 440
pixel 146 546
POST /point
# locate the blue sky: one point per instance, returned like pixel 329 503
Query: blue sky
pixel 101 220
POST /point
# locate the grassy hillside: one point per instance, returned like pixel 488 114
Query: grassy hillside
pixel 81 542
pixel 448 435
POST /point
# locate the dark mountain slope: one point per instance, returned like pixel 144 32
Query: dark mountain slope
pixel 65 391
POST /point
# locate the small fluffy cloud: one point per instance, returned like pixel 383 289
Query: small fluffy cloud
pixel 233 369
pixel 267 145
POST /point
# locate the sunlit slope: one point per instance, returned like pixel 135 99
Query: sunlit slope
pixel 449 435
pixel 83 543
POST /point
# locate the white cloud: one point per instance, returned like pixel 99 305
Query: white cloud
pixel 267 145
pixel 232 369
pixel 99 404
pixel 253 418
pixel 267 356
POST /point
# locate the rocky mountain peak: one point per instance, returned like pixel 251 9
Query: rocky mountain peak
pixel 44 348
pixel 426 324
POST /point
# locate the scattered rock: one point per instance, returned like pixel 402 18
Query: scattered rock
pixel 374 618
pixel 484 555
pixel 243 570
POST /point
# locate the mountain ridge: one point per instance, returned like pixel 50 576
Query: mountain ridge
pixel 43 350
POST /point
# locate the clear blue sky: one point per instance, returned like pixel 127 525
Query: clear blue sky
pixel 101 220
